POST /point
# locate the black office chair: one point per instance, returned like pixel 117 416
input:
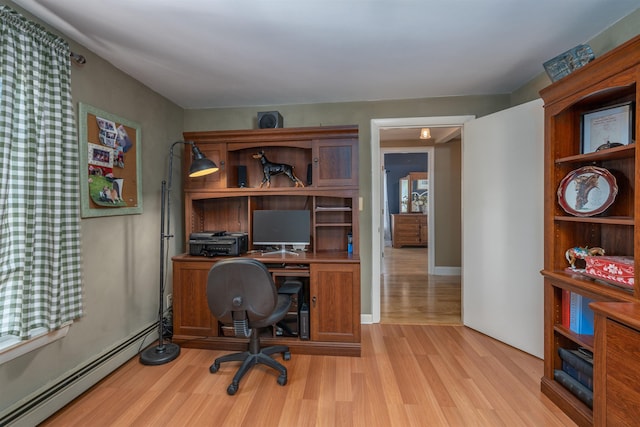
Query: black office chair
pixel 241 292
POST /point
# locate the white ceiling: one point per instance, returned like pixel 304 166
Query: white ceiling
pixel 207 53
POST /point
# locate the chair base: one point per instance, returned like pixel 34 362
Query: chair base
pixel 250 359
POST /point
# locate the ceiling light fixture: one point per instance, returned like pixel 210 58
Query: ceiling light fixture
pixel 425 133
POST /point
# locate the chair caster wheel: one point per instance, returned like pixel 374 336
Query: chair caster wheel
pixel 231 390
pixel 282 380
pixel 286 355
pixel 214 368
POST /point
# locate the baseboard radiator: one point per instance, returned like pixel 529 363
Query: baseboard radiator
pixel 47 401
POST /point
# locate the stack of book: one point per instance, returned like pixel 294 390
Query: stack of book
pixel 577 373
pixel 576 314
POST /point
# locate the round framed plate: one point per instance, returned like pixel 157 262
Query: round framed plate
pixel 587 191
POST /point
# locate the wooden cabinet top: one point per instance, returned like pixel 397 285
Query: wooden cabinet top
pixel 274 135
pixel 627 313
pixel 304 258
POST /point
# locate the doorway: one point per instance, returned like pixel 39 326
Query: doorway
pixel 377 181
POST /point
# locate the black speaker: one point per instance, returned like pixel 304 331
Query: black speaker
pixel 309 174
pixel 242 176
pixel 270 119
pixel 305 332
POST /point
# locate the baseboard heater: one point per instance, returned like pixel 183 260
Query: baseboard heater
pixel 45 402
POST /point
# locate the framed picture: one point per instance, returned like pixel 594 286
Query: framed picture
pixel 110 164
pixel 607 128
pixel 423 184
pixel 587 191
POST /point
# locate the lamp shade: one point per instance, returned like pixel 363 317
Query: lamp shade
pixel 200 165
pixel 425 133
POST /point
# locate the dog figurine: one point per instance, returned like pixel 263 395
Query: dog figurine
pixel 269 169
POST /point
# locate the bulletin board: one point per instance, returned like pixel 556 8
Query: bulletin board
pixel 110 164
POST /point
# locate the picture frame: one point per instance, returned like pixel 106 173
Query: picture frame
pixel 606 128
pixel 587 191
pixel 422 184
pixel 110 163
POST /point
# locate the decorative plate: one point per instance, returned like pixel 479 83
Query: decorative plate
pixel 587 191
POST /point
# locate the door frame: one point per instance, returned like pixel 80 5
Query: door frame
pixel 376 203
pixel 431 195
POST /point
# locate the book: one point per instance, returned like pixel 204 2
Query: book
pixel 578 366
pixel 582 377
pixel 585 353
pixel 566 308
pixel 574 386
pixel 581 316
pixel 576 359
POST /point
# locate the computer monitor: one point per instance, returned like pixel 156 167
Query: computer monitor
pixel 281 228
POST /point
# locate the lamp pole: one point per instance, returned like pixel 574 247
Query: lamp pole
pixel 166 352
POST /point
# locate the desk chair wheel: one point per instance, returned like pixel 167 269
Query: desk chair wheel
pixel 282 379
pixel 214 368
pixel 286 355
pixel 231 390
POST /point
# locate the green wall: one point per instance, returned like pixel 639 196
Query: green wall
pixel 121 253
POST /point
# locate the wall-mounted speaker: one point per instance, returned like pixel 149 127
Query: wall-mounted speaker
pixel 242 176
pixel 270 119
pixel 309 174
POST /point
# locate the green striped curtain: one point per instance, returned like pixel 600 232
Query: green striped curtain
pixel 40 264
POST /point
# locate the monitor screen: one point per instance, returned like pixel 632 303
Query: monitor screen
pixel 281 227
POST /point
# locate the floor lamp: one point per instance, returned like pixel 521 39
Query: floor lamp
pixel 200 166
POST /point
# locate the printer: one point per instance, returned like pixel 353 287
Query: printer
pixel 218 243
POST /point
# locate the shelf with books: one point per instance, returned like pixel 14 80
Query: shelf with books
pixel 598 213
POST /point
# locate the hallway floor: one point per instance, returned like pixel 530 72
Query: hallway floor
pixel 409 295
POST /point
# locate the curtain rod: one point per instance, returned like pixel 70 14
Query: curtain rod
pixel 79 59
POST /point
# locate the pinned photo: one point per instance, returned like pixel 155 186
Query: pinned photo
pixel 108 138
pixel 106 124
pixel 100 156
pixel 123 139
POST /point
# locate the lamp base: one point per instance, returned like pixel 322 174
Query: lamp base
pixel 159 355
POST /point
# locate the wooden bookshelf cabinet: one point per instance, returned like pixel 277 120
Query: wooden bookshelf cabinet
pixel 608 81
pixel 616 377
pixel 325 159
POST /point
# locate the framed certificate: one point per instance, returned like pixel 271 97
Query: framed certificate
pixel 607 128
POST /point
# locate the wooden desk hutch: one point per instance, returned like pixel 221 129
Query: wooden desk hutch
pixel 329 272
pixel 605 83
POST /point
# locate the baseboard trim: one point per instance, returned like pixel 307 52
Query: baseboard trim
pixel 45 402
pixel 448 271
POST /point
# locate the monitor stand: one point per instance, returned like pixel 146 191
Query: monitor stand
pixel 282 251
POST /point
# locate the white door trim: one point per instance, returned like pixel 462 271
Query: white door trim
pixel 376 204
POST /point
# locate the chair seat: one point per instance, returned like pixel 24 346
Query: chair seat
pixel 282 307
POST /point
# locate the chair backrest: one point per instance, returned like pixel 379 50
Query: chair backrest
pixel 241 285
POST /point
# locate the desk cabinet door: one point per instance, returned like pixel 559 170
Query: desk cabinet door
pixel 191 315
pixel 334 302
pixel 335 163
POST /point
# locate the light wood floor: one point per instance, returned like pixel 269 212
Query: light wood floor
pixel 408 375
pixel 419 371
pixel 409 295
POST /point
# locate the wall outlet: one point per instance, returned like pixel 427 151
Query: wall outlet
pixel 169 300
